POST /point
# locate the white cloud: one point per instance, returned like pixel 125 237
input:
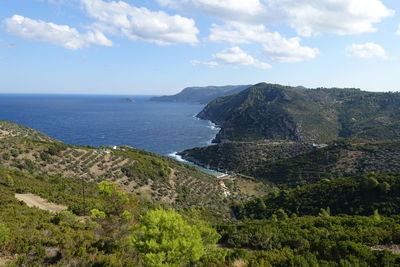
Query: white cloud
pixel 141 24
pixel 233 56
pixel 205 63
pixel 61 35
pixel 398 30
pixel 341 17
pixel 289 50
pixel 367 50
pixel 307 17
pixel 276 47
pixel 223 9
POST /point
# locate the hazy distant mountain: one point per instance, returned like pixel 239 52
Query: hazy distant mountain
pixel 201 95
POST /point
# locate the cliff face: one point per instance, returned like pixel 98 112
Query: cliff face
pixel 201 95
pixel 269 111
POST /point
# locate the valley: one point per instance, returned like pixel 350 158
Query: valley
pixel 311 179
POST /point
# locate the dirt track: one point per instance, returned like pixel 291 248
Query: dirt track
pixel 393 248
pixel 35 201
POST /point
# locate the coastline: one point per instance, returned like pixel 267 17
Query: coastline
pixel 177 156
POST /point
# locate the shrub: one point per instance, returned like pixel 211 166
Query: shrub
pixel 4 234
pixel 164 238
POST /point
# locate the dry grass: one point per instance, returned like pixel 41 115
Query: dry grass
pixel 239 263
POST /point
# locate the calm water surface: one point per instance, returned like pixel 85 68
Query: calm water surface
pixel 159 127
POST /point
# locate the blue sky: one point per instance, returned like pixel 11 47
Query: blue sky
pixel 162 46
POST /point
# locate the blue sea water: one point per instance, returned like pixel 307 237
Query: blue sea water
pixel 159 127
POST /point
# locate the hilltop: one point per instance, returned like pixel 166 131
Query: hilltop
pixel 11 129
pixel 201 95
pixel 293 135
pixel 270 111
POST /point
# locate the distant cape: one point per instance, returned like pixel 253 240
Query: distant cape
pixel 202 95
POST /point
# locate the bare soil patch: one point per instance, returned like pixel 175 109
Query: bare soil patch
pixel 32 200
pixel 393 248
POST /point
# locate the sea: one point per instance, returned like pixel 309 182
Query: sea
pixel 104 120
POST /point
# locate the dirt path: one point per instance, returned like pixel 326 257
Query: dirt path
pixel 393 248
pixel 5 259
pixel 35 201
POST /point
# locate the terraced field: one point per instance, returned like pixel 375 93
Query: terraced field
pixel 11 129
pixel 155 178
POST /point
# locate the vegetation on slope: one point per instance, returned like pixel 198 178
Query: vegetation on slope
pixel 340 159
pixel 99 229
pixel 357 195
pixel 117 232
pixel 11 129
pixel 244 157
pixel 40 238
pixel 151 176
pixel 289 164
pixel 269 111
pixel 313 241
pixel 108 227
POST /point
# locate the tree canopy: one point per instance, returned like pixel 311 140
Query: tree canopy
pixel 164 238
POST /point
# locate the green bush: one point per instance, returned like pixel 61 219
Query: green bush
pixel 164 238
pixel 4 234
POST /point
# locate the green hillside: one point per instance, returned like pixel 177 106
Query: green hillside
pixel 314 241
pixel 128 207
pixel 270 111
pixel 244 157
pixel 35 237
pixel 356 195
pixel 156 178
pixel 98 231
pixel 11 129
pixel 339 159
pixel 289 164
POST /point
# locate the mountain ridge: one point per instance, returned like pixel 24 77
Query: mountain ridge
pixel 276 112
pixel 202 95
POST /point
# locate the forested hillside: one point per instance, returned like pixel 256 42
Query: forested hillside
pixel 106 227
pixel 244 157
pixel 339 159
pixel 127 207
pixel 289 164
pixel 314 241
pixel 356 195
pixel 270 111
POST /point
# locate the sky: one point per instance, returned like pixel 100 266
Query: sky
pixel 152 47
